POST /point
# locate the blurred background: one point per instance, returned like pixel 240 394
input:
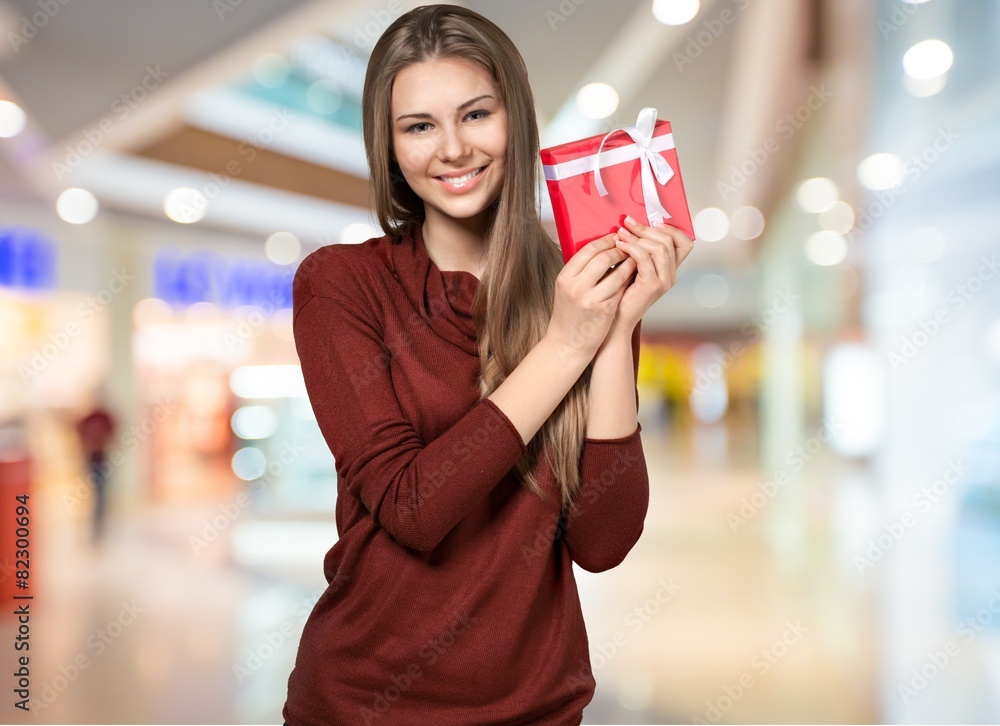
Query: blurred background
pixel 820 392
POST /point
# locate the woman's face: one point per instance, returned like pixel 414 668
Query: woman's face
pixel 449 133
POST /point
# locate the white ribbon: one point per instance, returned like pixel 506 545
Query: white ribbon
pixel 651 163
pixel 610 157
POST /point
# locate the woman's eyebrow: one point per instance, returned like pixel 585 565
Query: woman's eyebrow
pixel 464 105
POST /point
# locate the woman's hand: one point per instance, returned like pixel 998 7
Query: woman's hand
pixel 657 251
pixel 587 296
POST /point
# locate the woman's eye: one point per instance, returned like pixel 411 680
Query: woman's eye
pixel 416 127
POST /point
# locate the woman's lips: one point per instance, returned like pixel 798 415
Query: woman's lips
pixel 458 187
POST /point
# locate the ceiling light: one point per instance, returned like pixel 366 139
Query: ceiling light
pixel 927 59
pixel 826 248
pixel 747 223
pixel 77 206
pixel 711 224
pixel 816 194
pixel 675 12
pixel 254 422
pixel 925 87
pixel 185 205
pixel 12 119
pixel 282 248
pixel 881 171
pixel 597 100
pixel 249 463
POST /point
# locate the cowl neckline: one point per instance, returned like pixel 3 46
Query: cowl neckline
pixel 443 297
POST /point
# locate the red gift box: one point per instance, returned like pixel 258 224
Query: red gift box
pixel 638 175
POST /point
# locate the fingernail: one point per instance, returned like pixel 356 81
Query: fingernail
pixel 623 232
pixel 629 219
pixel 619 241
pixel 659 224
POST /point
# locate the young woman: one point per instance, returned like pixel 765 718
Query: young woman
pixel 480 401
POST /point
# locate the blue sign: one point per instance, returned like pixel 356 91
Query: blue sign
pixel 206 277
pixel 27 258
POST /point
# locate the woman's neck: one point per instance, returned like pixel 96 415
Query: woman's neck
pixel 454 244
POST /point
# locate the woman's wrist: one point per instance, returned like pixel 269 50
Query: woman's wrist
pixel 618 337
pixel 612 411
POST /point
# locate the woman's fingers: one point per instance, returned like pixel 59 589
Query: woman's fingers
pixel 681 243
pixel 658 247
pixel 613 283
pixel 581 259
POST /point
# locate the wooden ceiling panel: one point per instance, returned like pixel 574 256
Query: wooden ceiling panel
pixel 229 158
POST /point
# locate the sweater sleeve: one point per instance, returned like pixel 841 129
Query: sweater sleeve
pixel 416 491
pixel 613 497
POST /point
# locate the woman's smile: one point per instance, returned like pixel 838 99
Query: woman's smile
pixel 461 182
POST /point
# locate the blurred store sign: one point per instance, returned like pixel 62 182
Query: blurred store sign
pixel 27 258
pixel 207 277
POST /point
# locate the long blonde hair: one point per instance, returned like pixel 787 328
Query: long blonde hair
pixel 513 302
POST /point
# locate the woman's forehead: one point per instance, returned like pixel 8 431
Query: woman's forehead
pixel 442 79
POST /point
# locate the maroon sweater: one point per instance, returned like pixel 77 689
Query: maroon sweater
pixel 451 596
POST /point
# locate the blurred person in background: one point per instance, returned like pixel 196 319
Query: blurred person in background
pixel 96 429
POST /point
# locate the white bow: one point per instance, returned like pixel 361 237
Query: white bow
pixel 652 163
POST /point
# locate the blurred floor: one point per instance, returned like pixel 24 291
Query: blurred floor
pixel 699 622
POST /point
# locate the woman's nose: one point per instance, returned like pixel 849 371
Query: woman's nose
pixel 454 145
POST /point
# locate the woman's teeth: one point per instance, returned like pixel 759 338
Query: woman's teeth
pixel 460 181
